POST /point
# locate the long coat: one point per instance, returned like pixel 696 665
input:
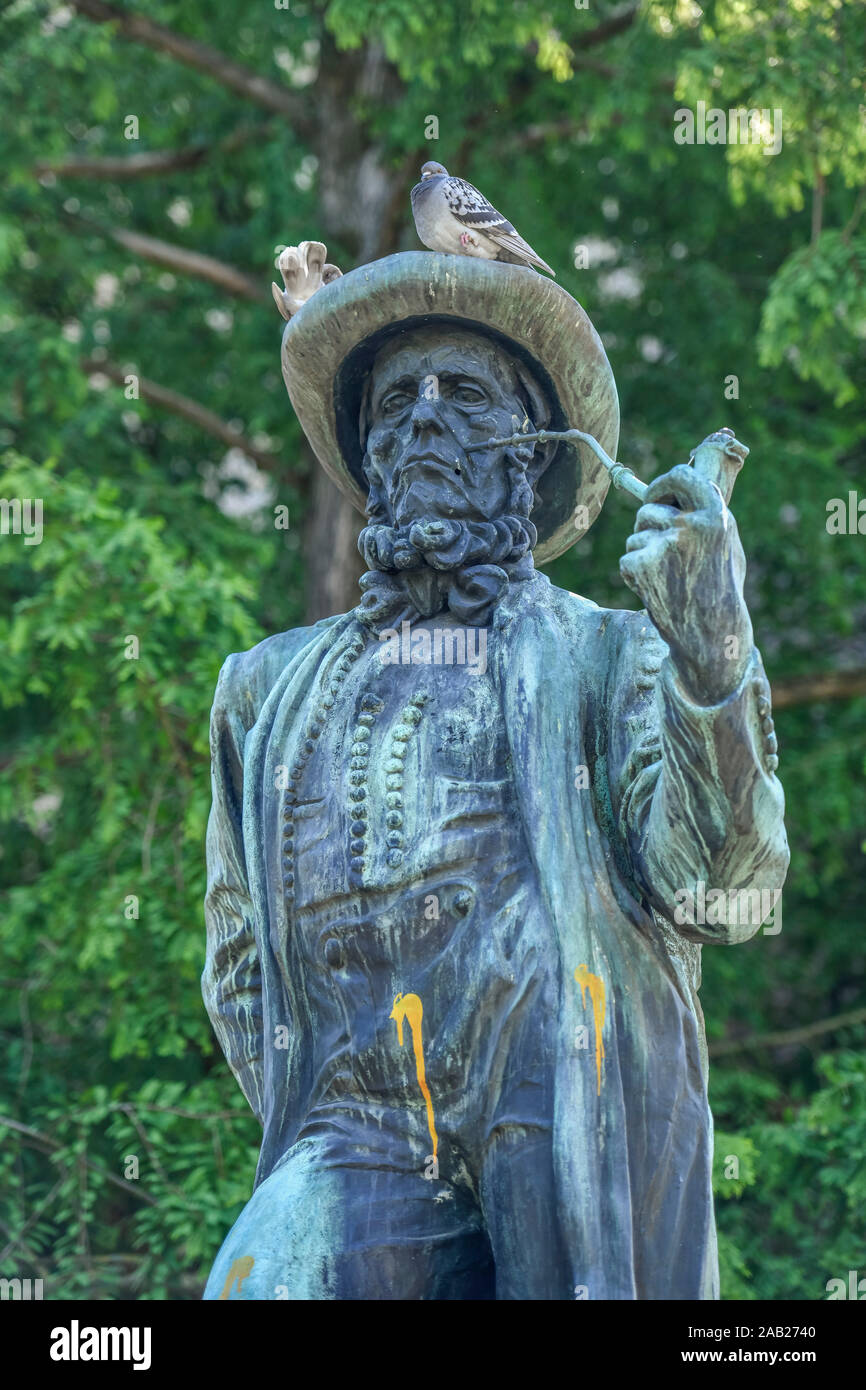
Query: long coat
pixel 673 795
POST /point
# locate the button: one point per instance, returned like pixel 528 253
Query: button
pixel 334 957
pixel 463 901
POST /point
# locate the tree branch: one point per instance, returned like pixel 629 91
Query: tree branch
pixel 540 131
pixel 817 204
pixel 187 409
pixel 178 258
pixel 189 263
pixel 47 1145
pixel 616 23
pixel 792 1035
pixel 150 162
pixel 28 1254
pixel 851 225
pixel 823 685
pixel 238 78
pixel 31 1221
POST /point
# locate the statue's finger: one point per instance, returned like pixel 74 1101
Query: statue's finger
pixel 684 488
pixel 654 516
pixel 641 540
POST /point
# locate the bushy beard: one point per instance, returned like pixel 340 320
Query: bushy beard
pixel 437 564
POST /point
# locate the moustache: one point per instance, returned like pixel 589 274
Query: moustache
pixel 428 464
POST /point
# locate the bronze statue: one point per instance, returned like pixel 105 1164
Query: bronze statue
pixel 458 833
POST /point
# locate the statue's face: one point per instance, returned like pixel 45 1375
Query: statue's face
pixel 431 394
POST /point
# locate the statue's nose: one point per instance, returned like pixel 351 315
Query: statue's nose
pixel 425 415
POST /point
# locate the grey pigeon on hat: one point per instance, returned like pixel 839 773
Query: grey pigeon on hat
pixel 451 215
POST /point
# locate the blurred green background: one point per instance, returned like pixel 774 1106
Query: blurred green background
pixel 156 157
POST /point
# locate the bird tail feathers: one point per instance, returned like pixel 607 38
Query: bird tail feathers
pixel 521 251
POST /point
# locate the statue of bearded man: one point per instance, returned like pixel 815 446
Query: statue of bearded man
pixel 447 957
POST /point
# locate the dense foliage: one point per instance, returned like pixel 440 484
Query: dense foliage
pixel 730 288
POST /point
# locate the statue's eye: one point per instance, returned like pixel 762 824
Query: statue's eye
pixel 468 395
pixel 393 404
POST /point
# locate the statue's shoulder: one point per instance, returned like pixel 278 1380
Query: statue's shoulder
pixel 247 678
pixel 575 608
pixel 623 634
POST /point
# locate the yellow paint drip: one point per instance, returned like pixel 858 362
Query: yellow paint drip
pixel 239 1270
pixel 595 985
pixel 410 1008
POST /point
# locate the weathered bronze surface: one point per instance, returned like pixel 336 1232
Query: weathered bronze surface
pixel 468 839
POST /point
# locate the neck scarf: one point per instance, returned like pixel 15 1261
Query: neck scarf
pixel 420 570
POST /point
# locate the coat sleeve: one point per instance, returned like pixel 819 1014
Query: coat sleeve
pixel 695 801
pixel 231 982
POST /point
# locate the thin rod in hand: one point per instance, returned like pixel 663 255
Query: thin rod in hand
pixel 621 475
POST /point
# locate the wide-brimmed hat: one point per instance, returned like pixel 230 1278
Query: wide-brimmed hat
pixel 330 344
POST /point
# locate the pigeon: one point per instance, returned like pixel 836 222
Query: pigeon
pixel 451 215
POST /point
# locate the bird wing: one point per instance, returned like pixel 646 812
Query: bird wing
pixel 474 212
pixel 472 208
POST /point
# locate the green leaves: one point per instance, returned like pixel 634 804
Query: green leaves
pixel 734 1164
pixel 798 1219
pixel 815 314
pixel 801 58
pixel 113 634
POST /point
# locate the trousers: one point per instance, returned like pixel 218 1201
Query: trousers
pixel 342 1218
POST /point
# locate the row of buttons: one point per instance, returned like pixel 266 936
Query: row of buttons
pixel 410 717
pixel 371 705
pixel 307 748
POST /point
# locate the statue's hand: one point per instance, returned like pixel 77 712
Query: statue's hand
pixel 686 563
